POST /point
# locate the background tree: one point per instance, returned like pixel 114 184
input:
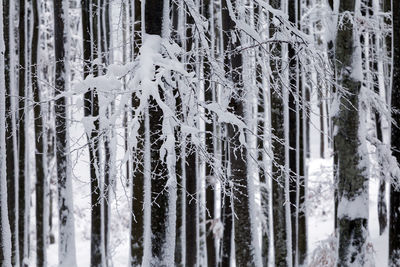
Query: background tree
pixel 41 220
pixel 352 178
pixel 11 150
pixel 91 110
pixel 394 231
pixel 22 177
pixel 5 235
pixel 137 220
pixel 237 157
pixel 281 224
pixel 66 240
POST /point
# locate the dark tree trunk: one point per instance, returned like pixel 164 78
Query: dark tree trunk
pixel 159 173
pixel 12 193
pixel 238 157
pixel 387 8
pixel 137 218
pixel 39 146
pixel 352 181
pixel 293 88
pixel 280 223
pixel 180 252
pixel 191 168
pixel 394 229
pixel 226 209
pixel 91 109
pixel 105 37
pixel 209 96
pixel 22 180
pixel 66 240
pixel 302 236
pixel 321 122
pixel 5 236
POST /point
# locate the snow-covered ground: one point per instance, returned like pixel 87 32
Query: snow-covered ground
pixel 320 210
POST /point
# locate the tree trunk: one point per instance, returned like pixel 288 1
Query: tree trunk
pixel 238 157
pixel 105 53
pixel 159 172
pixel 394 230
pixel 137 219
pixel 91 109
pixel 352 180
pixel 301 117
pixel 22 179
pixel 226 207
pixel 12 193
pixel 211 179
pixel 180 241
pixel 191 168
pixel 263 140
pixel 281 221
pixel 41 234
pixel 66 240
pixel 5 235
pixel 293 138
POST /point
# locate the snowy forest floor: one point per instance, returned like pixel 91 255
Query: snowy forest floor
pixel 320 223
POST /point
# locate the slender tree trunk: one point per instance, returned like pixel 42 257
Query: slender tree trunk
pixel 5 235
pixel 91 109
pixel 394 230
pixel 66 240
pixel 137 219
pixel 321 122
pixel 238 157
pixel 281 222
pixel 352 181
pixel 105 38
pixel 12 173
pixel 293 83
pixel 211 179
pixel 191 167
pixel 387 8
pixel 301 117
pixel 180 252
pixel 41 234
pixel 22 185
pixel 227 207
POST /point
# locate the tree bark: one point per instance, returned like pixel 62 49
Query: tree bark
pixel 91 109
pixel 66 240
pixel 192 197
pixel 41 234
pixel 279 211
pixel 159 173
pixel 237 153
pixel 22 179
pixel 394 230
pixel 5 235
pixel 12 192
pixel 352 180
pixel 137 218
pixel 209 97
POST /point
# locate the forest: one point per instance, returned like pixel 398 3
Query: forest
pixel 199 133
